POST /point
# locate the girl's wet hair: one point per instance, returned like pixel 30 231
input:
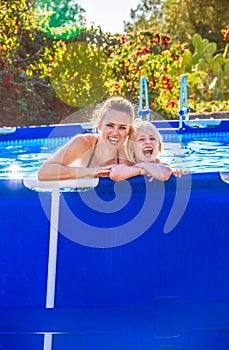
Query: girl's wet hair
pixel 145 126
pixel 117 103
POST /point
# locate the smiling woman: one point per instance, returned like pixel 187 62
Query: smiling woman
pixel 93 155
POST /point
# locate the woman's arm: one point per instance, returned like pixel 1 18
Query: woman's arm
pixel 58 166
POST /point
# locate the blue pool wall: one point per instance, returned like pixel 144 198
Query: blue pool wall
pixel 161 290
pixel 189 263
pixel 68 130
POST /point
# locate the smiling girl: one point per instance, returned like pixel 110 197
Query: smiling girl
pixel 142 149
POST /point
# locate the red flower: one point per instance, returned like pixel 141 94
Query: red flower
pixel 146 49
pixel 123 39
pixel 116 86
pixel 171 104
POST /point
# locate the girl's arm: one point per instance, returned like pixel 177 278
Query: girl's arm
pixel 156 170
pixel 123 172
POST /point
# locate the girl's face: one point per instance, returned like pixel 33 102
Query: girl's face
pixel 115 127
pixel 146 146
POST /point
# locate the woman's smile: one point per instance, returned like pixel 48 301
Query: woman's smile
pixel 114 140
pixel 115 127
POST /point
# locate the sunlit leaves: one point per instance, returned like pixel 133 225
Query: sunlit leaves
pixel 78 76
pixel 60 18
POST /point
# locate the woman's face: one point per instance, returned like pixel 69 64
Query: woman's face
pixel 146 146
pixel 115 127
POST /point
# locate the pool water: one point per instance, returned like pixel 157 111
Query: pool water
pixel 199 154
pixel 22 158
pixel 192 152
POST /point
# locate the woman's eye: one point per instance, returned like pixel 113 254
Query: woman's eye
pixel 123 128
pixel 153 139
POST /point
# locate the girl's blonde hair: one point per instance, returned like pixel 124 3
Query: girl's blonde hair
pixel 145 126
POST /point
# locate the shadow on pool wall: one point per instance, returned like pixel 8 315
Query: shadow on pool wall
pixel 160 290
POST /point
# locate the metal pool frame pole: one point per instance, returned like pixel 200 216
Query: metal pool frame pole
pixel 184 110
pixel 143 111
pixel 54 187
pixel 52 259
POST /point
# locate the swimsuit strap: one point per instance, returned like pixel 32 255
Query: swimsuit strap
pixel 118 157
pixel 92 155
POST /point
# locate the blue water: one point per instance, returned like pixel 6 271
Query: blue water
pixel 198 153
pixel 192 152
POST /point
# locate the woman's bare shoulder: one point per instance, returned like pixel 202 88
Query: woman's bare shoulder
pixel 86 137
pixel 84 140
pixel 74 149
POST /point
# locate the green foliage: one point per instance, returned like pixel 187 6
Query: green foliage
pixel 58 19
pixel 182 19
pixel 28 55
pixel 147 53
pixel 148 13
pixel 39 70
pixel 205 59
pixel 78 76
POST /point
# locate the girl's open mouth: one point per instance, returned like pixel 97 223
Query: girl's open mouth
pixel 147 152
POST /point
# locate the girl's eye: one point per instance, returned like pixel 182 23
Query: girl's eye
pixel 141 139
pixel 153 139
pixel 109 125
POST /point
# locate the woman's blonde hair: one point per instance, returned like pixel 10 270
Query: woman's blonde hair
pixel 145 126
pixel 117 103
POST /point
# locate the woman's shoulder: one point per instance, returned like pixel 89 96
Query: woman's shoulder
pixel 85 139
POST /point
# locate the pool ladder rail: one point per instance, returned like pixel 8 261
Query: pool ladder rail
pixel 184 121
pixel 184 110
pixel 143 111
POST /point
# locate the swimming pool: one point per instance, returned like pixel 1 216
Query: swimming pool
pixel 140 265
pixel 196 152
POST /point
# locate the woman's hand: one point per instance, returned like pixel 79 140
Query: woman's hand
pixel 102 171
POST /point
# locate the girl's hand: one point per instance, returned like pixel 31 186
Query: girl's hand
pixel 180 172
